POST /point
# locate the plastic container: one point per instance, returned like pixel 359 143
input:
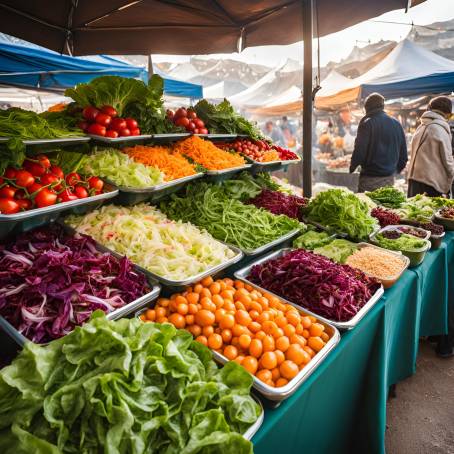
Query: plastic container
pixel 390 280
pixel 447 223
pixel 436 240
pixel 243 273
pixel 400 226
pixel 416 256
pixel 133 196
pixel 26 220
pixel 282 393
pixel 216 176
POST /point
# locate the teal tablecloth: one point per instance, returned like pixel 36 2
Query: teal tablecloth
pixel 341 408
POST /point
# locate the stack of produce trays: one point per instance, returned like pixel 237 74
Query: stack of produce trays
pixel 336 293
pixel 51 282
pixel 174 252
pixel 125 386
pixel 217 209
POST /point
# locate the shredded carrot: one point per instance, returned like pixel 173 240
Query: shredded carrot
pixel 171 163
pixel 207 154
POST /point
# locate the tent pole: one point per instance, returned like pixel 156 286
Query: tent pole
pixel 150 66
pixel 307 98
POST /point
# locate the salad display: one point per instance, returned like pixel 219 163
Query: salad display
pixel 397 241
pixel 171 249
pixel 388 196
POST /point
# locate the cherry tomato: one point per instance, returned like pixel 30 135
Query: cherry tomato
pixel 34 188
pixel 170 114
pixel 57 171
pixel 131 123
pixel 80 192
pixel 72 178
pixel 90 113
pixel 83 125
pixel 66 196
pixel 20 194
pixel 24 179
pixel 35 168
pixel 117 124
pixel 125 132
pixel 10 173
pixel 182 121
pixel 9 206
pixel 24 204
pixel 203 131
pixel 7 192
pixel 96 129
pixel 96 183
pixel 191 114
pixel 103 119
pixel 109 110
pixel 46 197
pixel 181 112
pixel 196 131
pixel 191 126
pixel 44 161
pixel 111 133
pixel 135 132
pixel 199 123
pixel 49 178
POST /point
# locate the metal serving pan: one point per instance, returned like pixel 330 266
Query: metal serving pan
pixel 256 426
pixel 170 137
pixel 217 136
pixel 217 176
pixel 282 393
pixel 169 282
pixel 58 141
pixel 110 140
pixel 26 220
pixel 131 196
pixel 243 273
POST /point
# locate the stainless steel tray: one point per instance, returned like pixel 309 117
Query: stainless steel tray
pixel 171 283
pixel 282 393
pixel 171 137
pixel 229 171
pixel 267 246
pixel 256 426
pixel 58 141
pixel 244 272
pixel 290 161
pixel 131 196
pixel 26 220
pixel 119 139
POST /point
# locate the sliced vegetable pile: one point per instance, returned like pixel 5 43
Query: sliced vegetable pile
pixel 314 282
pixel 270 339
pixel 173 165
pixel 338 250
pixel 413 231
pixel 341 212
pixel 51 282
pixel 122 170
pixel 40 184
pixel 447 212
pixel 385 217
pixel 434 229
pixel 388 196
pixel 418 208
pixel 174 250
pixel 312 239
pixel 279 203
pixel 213 208
pixel 123 387
pixel 207 154
pixel 396 241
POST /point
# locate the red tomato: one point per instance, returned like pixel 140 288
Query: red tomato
pixel 81 192
pixel 57 171
pixel 191 114
pixel 131 123
pixel 191 126
pixel 96 129
pixel 1 180
pixel 20 194
pixel 90 113
pixel 95 183
pixel 24 204
pixel 83 125
pixel 103 119
pixel 199 123
pixel 9 206
pixel 34 188
pixel 24 179
pixel 196 131
pixel 72 178
pixel 109 110
pixel 10 173
pixel 111 133
pixel 181 112
pixel 46 197
pixel 203 131
pixel 7 192
pixel 35 168
pixel 49 178
pixel 135 132
pixel 182 121
pixel 118 124
pixel 170 114
pixel 125 132
pixel 66 196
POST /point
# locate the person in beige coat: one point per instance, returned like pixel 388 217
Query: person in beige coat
pixel 431 169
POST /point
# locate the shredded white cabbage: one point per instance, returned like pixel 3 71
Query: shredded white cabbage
pixel 174 250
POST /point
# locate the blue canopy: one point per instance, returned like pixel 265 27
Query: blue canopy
pixel 31 66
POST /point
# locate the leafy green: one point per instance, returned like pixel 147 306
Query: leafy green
pixel 404 243
pixel 388 196
pixel 338 250
pixel 124 387
pixel 223 119
pixel 418 208
pixel 341 212
pixel 215 209
pixel 312 239
pixel 245 186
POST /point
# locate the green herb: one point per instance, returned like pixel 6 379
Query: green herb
pixel 341 212
pixel 124 387
pixel 223 119
pixel 312 239
pixel 338 250
pixel 418 208
pixel 387 196
pixel 245 186
pixel 404 243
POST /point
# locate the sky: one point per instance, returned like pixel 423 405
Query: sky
pixel 338 45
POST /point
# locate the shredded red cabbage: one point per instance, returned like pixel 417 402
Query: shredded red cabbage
pixel 336 292
pixel 279 203
pixel 385 217
pixel 51 281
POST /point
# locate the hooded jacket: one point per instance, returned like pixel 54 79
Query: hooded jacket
pixel 431 161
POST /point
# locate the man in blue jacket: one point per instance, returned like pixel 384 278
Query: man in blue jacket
pixel 380 146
